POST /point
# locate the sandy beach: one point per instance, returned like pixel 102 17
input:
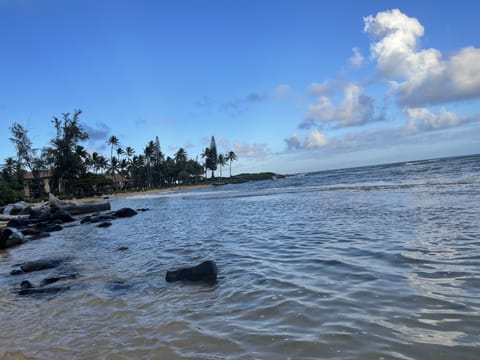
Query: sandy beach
pixel 133 193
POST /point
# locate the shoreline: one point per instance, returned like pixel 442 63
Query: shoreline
pixel 138 192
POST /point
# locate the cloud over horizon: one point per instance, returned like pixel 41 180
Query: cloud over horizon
pixel 420 84
pixel 420 77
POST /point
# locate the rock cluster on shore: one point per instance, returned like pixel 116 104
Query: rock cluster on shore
pixel 30 223
pixel 26 222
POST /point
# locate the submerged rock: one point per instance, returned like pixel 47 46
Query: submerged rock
pixel 205 272
pixel 54 279
pixel 94 218
pixel 37 265
pixel 42 290
pixel 105 224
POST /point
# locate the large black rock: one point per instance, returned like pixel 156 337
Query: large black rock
pixel 205 272
pixel 124 212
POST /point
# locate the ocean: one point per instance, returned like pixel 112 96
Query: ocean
pixel 377 262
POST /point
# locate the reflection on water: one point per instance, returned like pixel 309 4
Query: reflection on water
pixel 308 269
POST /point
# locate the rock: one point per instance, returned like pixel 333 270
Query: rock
pixel 105 224
pixel 29 231
pixel 54 279
pixel 42 290
pixel 25 284
pixel 206 272
pixel 49 227
pixel 62 215
pixel 96 218
pixel 38 265
pixel 21 223
pixel 124 212
pixel 10 237
pixel 41 235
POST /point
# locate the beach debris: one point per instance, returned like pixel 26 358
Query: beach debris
pixel 204 272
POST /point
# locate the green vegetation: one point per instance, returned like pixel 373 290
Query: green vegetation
pixel 241 178
pixel 67 169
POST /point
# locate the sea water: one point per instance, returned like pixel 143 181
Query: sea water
pixel 379 262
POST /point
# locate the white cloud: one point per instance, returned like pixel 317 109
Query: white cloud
pixel 357 58
pixel 317 89
pixel 424 119
pixel 244 150
pixel 314 140
pixel 464 70
pixel 355 109
pixel 420 77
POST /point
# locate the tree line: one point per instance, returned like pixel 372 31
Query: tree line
pixel 72 171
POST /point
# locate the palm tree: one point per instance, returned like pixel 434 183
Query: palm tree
pixel 231 156
pixel 129 151
pixel 114 165
pixel 102 163
pixel 180 156
pixel 222 161
pixel 94 161
pixel 205 155
pixel 113 141
pixel 120 152
pixel 9 169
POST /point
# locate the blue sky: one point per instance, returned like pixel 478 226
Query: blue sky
pixel 290 86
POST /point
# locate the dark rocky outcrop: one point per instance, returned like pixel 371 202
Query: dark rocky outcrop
pixel 10 237
pixel 204 272
pixel 124 212
pixel 106 217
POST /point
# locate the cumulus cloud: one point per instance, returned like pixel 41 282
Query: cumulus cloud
pixel 424 119
pixel 357 58
pixel 356 108
pixel 420 77
pixel 314 140
pixel 244 150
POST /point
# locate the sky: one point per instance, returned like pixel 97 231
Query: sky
pixel 289 85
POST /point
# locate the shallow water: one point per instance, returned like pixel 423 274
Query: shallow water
pixel 368 263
